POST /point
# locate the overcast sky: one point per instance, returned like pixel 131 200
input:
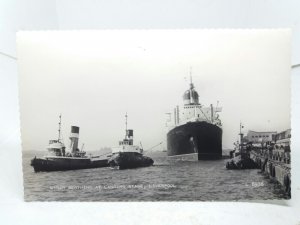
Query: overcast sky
pixel 94 77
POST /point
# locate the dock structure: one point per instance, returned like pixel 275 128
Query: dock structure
pixel 274 158
pixel 268 151
pixel 278 169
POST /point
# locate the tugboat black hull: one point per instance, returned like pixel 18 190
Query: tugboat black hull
pixel 129 160
pixel 62 164
pixel 200 138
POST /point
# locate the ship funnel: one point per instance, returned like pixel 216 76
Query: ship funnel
pixel 129 133
pixel 74 137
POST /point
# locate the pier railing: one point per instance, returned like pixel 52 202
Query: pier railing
pixel 275 155
pixel 276 167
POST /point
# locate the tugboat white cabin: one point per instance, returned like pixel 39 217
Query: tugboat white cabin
pixel 126 145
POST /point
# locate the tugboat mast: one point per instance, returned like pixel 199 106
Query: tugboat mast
pixel 241 136
pixel 59 128
pixel 191 80
pixel 126 125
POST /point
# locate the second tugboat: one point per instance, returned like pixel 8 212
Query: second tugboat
pixel 127 155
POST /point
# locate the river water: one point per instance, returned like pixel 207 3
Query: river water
pixel 165 181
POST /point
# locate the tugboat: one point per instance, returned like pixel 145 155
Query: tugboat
pixel 127 155
pixel 240 157
pixel 196 132
pixel 59 160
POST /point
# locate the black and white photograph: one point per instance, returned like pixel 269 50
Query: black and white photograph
pixel 155 115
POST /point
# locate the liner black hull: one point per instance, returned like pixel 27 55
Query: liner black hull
pixel 66 164
pixel 202 138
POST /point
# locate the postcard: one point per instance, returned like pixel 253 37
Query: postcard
pixel 155 115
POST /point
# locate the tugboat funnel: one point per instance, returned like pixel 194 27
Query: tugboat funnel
pixel 74 137
pixel 129 133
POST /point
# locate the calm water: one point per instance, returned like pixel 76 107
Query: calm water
pixel 165 181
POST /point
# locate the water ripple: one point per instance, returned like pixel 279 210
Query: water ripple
pixel 165 181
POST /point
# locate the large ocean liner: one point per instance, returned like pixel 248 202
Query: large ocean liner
pixel 195 131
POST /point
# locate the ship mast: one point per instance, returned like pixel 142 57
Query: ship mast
pixel 126 125
pixel 212 113
pixel 241 135
pixel 59 128
pixel 191 87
